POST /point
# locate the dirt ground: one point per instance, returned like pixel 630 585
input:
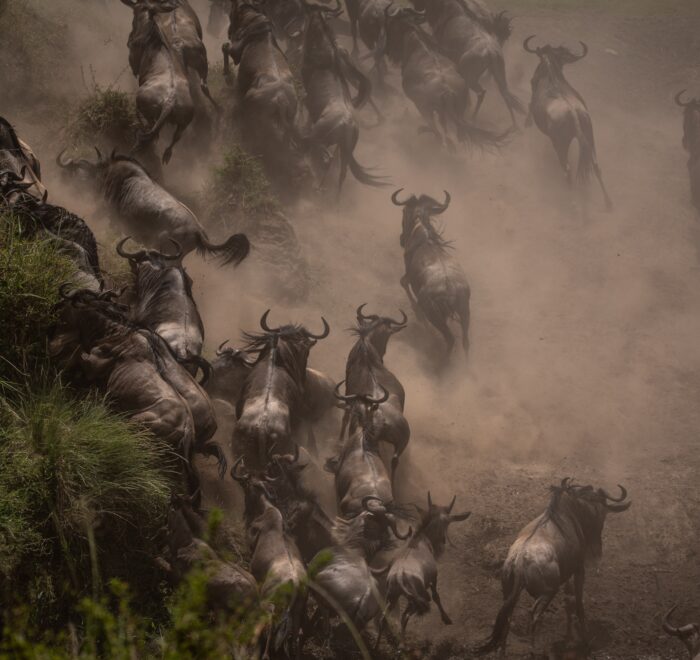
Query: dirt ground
pixel 585 357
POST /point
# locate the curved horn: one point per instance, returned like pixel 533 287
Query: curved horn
pixel 451 505
pixel 369 498
pixel 178 249
pixel 65 164
pixel 99 154
pixel 681 631
pixel 623 494
pixel 63 291
pixel 677 98
pixel 441 208
pixel 395 198
pixel 360 315
pixel 381 399
pixel 205 367
pixel 405 319
pixel 394 528
pixel 220 351
pixel 348 398
pixel 129 255
pixel 585 51
pixel 234 472
pixel 263 323
pixel 526 45
pixel 326 331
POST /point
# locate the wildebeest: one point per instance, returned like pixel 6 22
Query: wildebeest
pixel 688 634
pixel 430 79
pixel 366 374
pixel 560 112
pixel 39 218
pixel 164 302
pixel 265 87
pixel 17 157
pixel 148 211
pixel 691 143
pixel 228 585
pixel 413 573
pixel 275 562
pixel 552 549
pixel 367 20
pixel 434 281
pixel 271 404
pixel 327 74
pixel 472 37
pixel 164 95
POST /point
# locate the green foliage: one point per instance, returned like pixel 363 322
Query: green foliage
pixel 239 187
pixel 80 488
pixel 30 272
pixel 105 116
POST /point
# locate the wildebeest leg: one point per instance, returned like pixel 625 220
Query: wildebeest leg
pixel 214 449
pixel 436 597
pixel 599 176
pixel 538 609
pixel 167 154
pixel 464 317
pixel 414 303
pixel 480 94
pixel 579 579
pixel 440 323
pixel 407 614
pixel 431 127
pixel 311 438
pixel 562 149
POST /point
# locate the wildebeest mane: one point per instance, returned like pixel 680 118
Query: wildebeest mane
pixel 282 341
pixel 364 351
pixel 151 281
pixel 8 131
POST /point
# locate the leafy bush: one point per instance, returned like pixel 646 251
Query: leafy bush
pixel 30 271
pixel 80 488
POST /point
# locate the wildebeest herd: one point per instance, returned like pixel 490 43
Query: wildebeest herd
pixel 299 93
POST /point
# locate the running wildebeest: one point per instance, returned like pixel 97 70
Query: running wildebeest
pixel 552 549
pixel 691 143
pixel 434 280
pixel 148 211
pixel 414 571
pixel 228 585
pixel 560 112
pixel 327 74
pixel 430 79
pixel 367 20
pixel 271 405
pixel 472 37
pixel 688 634
pixel 164 302
pixel 266 89
pixel 164 95
pixel 70 233
pixel 136 370
pixel 275 562
pixel 366 374
pixel 17 157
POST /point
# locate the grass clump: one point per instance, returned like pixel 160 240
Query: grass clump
pixel 30 272
pixel 80 487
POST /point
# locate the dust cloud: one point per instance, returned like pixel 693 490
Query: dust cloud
pixel 585 357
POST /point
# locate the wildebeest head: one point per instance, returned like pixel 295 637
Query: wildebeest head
pixel 256 489
pixel 435 520
pixel 554 57
pixel 397 22
pixel 418 210
pixel 378 329
pixel 153 259
pixel 83 168
pixel 319 42
pixel 361 407
pixel 587 507
pixel 688 634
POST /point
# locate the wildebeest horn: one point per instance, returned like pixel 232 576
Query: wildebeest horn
pixel 369 498
pixel 45 196
pixel 129 255
pixel 289 458
pixel 99 154
pixel 678 99
pixel 178 249
pixel 220 351
pixel 348 398
pixel 585 50
pixel 63 291
pixel 405 319
pixel 441 208
pixel 263 323
pixel 451 505
pixel 394 528
pixel 234 471
pixel 65 164
pixel 325 332
pixel 360 315
pixel 622 497
pixel 395 198
pixel 381 399
pixel 526 45
pixel 672 630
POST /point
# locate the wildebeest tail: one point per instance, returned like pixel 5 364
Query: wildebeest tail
pixel 233 251
pixel 415 592
pixel 586 156
pixel 151 134
pixel 468 132
pixel 500 627
pixel 362 174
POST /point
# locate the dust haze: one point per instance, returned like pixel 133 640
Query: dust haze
pixel 585 357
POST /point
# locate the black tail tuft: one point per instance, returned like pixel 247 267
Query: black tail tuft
pixel 233 251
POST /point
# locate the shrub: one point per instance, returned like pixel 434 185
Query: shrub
pixel 80 488
pixel 30 271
